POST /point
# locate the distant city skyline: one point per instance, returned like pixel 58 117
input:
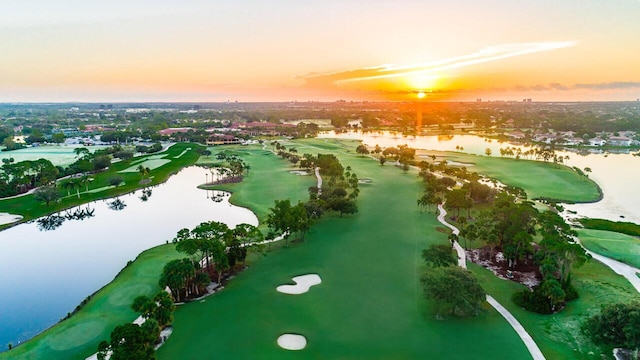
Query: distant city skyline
pixel 204 51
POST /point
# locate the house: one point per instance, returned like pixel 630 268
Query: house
pixel 171 131
pixel 572 141
pixel 597 142
pixel 619 141
pixel 517 135
pixel 222 139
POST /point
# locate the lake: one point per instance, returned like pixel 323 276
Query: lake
pixel 45 274
pixel 616 174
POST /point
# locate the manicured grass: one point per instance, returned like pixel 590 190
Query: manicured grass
pixel 30 209
pixel 59 155
pixel 623 227
pixel 79 336
pixel 558 335
pixel 539 179
pixel 268 180
pixel 613 245
pixel 369 305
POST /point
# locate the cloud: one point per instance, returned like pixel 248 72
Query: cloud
pixel 556 86
pixel 487 54
pixel 616 85
pixel 539 88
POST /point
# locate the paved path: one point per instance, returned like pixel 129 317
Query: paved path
pixel 319 180
pixel 531 345
pixel 629 272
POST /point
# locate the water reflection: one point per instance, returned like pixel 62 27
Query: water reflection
pixel 72 261
pixel 117 205
pixel 54 221
pixel 50 222
pixel 146 194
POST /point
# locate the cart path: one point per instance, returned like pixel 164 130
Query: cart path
pixel 531 345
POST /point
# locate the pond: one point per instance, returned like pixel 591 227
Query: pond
pixel 46 273
pixel 616 174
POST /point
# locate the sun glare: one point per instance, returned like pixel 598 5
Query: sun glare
pixel 421 94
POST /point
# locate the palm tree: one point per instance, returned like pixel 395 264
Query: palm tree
pixel 68 186
pixel 85 180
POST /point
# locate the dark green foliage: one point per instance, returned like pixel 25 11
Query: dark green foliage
pixel 616 325
pixel 453 290
pixel 546 298
pixel 116 180
pixel 101 162
pixel 47 194
pixel 362 149
pixel 130 341
pixel 439 255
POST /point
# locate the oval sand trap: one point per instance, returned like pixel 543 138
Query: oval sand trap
pixel 303 283
pixel 6 218
pixel 292 341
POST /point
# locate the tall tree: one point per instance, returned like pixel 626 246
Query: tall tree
pixel 453 290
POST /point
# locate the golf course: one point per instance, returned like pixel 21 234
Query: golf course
pixel 369 303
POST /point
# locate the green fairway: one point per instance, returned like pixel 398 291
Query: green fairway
pixel 100 187
pixel 539 179
pixel 369 304
pixel 613 245
pixel 269 179
pixel 78 336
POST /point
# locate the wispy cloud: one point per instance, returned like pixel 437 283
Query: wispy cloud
pixel 617 85
pixel 491 53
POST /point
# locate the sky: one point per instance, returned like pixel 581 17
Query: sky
pixel 270 50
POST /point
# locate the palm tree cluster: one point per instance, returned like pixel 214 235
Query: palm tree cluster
pixel 213 248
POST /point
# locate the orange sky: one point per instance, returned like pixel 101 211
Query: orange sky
pixel 143 50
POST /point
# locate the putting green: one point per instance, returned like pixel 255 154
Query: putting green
pixel 151 164
pixel 122 296
pixel 76 335
pixel 621 247
pixel 539 179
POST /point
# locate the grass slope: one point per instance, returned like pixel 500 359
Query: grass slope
pixel 79 336
pixel 613 245
pixel 539 179
pixel 369 305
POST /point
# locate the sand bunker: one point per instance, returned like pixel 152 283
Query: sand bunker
pixel 6 218
pixel 303 283
pixel 292 341
pixel 365 181
pixel 299 172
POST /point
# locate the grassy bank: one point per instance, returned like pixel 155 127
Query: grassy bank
pixel 79 336
pixel 539 179
pixel 178 156
pixel 613 245
pixel 623 227
pixel 369 304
